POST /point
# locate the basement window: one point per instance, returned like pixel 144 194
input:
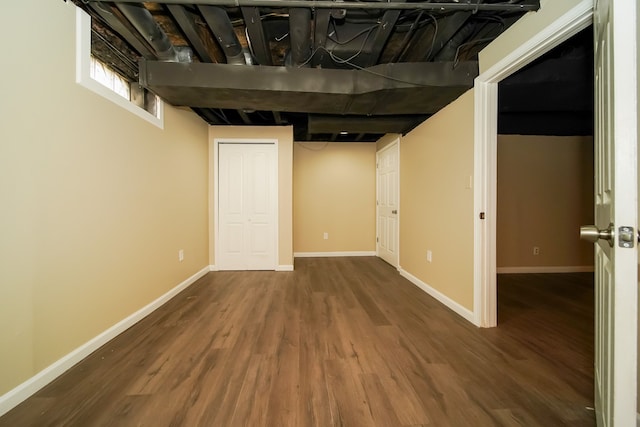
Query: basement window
pixel 104 75
pixel 98 77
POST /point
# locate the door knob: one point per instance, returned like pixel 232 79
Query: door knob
pixel 592 233
pixel 395 211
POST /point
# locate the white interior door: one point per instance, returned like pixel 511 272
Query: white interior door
pixel 246 207
pixel 387 173
pixel 615 199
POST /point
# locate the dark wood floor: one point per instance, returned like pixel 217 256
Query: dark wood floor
pixel 338 342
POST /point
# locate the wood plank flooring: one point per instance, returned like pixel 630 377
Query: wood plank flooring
pixel 338 342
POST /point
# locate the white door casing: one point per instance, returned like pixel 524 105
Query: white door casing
pixel 573 21
pixel 247 206
pixel 387 204
pixel 615 140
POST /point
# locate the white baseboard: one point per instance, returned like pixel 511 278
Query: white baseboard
pixel 20 393
pixel 548 269
pixel 332 254
pixel 457 308
pixel 213 268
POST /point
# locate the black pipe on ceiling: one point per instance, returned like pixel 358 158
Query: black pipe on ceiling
pixel 300 36
pixel 220 24
pixel 142 20
pixel 330 4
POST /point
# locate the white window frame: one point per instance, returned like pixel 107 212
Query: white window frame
pixel 83 77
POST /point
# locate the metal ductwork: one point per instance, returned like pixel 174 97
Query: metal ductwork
pixel 405 88
pixel 220 24
pixel 300 35
pixel 142 20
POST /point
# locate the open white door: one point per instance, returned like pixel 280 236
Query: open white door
pixel 387 174
pixel 615 212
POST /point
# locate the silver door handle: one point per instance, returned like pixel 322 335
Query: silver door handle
pixel 591 233
pixel 395 211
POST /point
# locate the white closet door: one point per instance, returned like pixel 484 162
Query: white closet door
pixel 246 207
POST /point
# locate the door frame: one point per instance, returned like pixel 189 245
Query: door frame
pixel 395 144
pixel 485 308
pixel 213 207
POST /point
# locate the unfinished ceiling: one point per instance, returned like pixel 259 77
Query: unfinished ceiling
pixel 554 94
pixel 335 70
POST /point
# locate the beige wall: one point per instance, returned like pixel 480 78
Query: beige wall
pixel 523 30
pixel 334 191
pixel 96 202
pixel 436 201
pixel 387 140
pixel 284 135
pixel 545 193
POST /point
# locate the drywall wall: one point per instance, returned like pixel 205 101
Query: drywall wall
pixel 386 140
pixel 545 193
pixel 523 30
pixel 284 136
pixel 96 202
pixel 436 200
pixel 334 192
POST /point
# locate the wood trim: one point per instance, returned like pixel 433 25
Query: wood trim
pixel 284 267
pixel 20 393
pixel 463 312
pixel 485 148
pixel 332 254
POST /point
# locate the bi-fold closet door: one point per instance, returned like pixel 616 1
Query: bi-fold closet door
pixel 247 206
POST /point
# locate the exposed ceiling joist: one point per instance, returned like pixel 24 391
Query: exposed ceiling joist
pixel 188 27
pixel 108 15
pixel 360 68
pixel 330 4
pixel 256 35
pixel 362 124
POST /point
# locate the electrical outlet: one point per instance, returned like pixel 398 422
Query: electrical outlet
pixel 181 255
pixel 536 250
pixel 326 236
pixel 429 256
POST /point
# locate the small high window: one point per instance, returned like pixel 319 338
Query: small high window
pixel 98 77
